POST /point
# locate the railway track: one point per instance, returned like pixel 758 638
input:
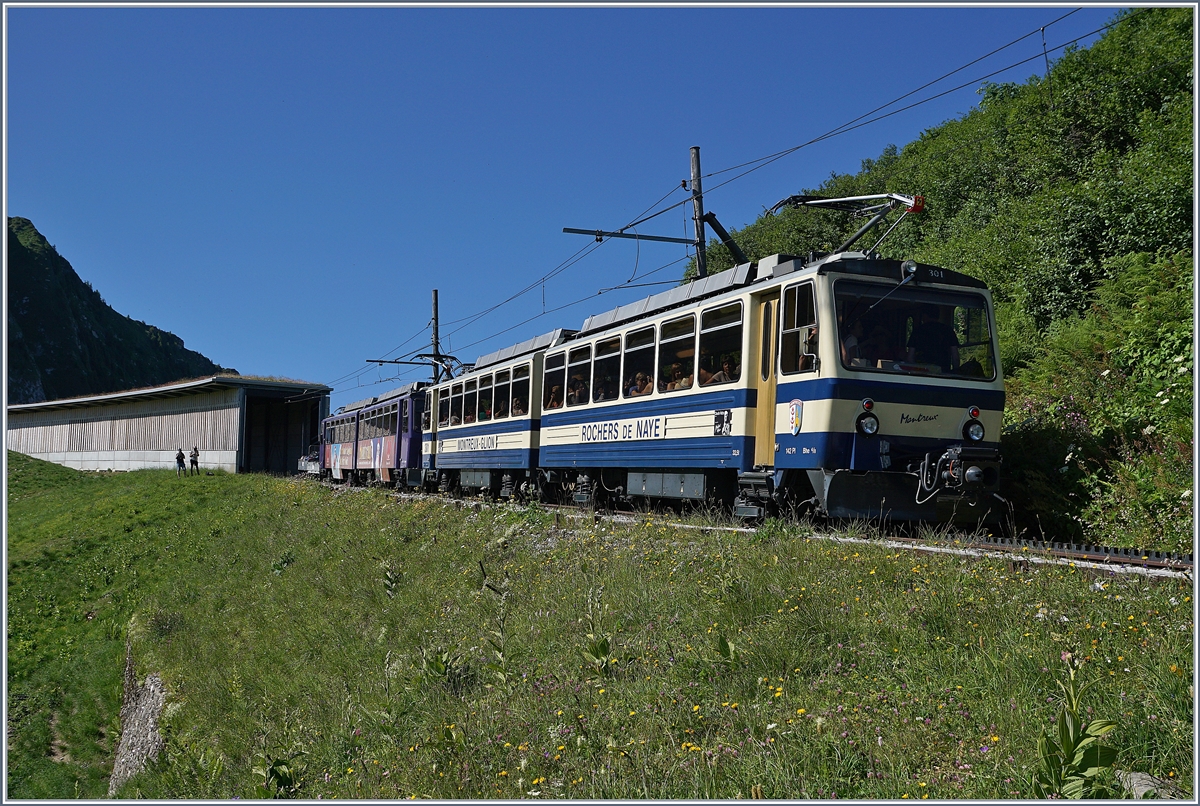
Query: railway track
pixel 1016 550
pixel 1155 563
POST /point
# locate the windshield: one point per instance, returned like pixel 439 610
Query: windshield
pixel 913 330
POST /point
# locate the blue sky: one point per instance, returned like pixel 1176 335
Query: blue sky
pixel 283 187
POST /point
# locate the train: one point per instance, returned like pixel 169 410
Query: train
pixel 845 385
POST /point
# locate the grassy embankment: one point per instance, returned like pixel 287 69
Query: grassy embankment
pixel 360 637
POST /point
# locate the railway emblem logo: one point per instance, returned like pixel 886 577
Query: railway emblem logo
pixel 795 415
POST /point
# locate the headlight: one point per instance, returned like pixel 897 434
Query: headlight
pixel 867 424
pixel 973 431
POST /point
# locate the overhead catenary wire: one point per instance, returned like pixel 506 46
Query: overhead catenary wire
pixel 859 122
pixel 856 123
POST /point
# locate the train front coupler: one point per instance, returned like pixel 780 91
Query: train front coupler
pixel 960 469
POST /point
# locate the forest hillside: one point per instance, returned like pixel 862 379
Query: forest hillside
pixel 64 340
pixel 1071 195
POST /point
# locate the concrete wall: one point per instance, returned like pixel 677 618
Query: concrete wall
pixel 136 460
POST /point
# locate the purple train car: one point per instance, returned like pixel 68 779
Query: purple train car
pixel 376 440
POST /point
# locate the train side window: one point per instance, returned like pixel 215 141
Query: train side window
pixel 606 370
pixel 500 393
pixel 553 381
pixel 485 398
pixel 469 396
pixel 403 424
pixel 720 345
pixel 456 404
pixel 677 354
pixel 639 363
pixel 579 375
pixel 520 391
pixel 798 351
pixel 444 406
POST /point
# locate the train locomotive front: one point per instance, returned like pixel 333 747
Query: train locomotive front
pixel 888 395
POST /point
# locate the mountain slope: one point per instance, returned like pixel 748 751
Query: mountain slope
pixel 64 340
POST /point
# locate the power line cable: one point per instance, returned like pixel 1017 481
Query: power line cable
pixel 763 162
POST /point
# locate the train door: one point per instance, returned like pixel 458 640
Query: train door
pixel 764 380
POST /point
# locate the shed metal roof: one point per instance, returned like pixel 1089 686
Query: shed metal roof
pixel 280 388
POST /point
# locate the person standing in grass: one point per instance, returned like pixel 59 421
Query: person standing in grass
pixel 179 470
pixel 195 457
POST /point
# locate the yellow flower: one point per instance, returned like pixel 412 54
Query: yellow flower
pixel 799 710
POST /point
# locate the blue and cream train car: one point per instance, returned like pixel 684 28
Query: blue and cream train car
pixel 378 439
pixel 650 400
pixel 485 437
pixel 849 385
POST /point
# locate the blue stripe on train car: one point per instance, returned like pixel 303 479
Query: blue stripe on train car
pixel 885 389
pixel 853 451
pixel 508 459
pixel 476 458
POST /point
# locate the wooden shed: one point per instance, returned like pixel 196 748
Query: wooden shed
pixel 240 424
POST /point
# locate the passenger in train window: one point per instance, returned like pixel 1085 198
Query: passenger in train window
pixel 518 407
pixel 678 379
pixel 499 410
pixel 933 341
pixel 876 347
pixel 576 392
pixel 554 400
pixel 641 385
pixel 850 345
pixel 727 373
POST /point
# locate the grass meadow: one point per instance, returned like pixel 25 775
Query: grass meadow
pixel 326 643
